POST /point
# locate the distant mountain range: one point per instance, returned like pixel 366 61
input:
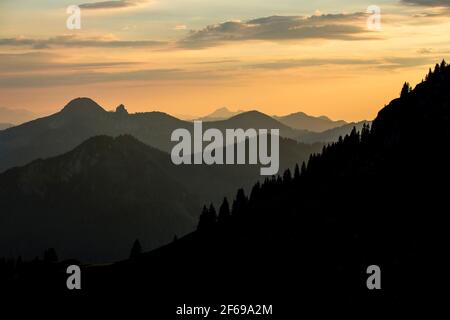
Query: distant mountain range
pixel 303 121
pixel 299 120
pixel 372 200
pixel 83 118
pixel 113 168
pixel 220 114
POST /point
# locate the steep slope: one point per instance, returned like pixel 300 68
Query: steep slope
pixel 375 198
pixel 302 121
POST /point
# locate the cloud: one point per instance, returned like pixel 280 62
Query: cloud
pixel 425 51
pixel 90 77
pixel 295 63
pixel 387 63
pixel 74 41
pixel 428 3
pixel 42 61
pixel 279 28
pixel 395 63
pixel 115 4
pixel 180 27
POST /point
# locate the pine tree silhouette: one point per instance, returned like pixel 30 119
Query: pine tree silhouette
pixel 208 219
pixel 240 203
pixel 405 90
pixel 287 176
pixel 296 173
pixel 303 170
pixel 136 250
pixel 224 211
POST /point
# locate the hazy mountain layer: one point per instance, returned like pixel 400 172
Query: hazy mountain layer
pixel 375 198
pixel 83 118
pixel 302 121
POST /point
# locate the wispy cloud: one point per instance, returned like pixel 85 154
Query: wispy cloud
pixel 396 63
pixel 428 3
pixel 180 27
pixel 78 42
pixel 296 63
pixel 115 4
pixel 43 61
pixel 387 63
pixel 279 28
pixel 90 77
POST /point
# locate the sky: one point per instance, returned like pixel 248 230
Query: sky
pixel 189 57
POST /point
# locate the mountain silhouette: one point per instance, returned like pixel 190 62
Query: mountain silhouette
pixel 83 118
pixel 111 191
pixel 302 121
pixel 256 120
pixel 220 114
pixel 377 197
pixel 94 200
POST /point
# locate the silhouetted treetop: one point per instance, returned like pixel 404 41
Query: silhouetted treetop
pixel 405 90
pixel 136 250
pixel 224 211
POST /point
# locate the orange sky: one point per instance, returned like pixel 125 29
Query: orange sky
pixel 322 61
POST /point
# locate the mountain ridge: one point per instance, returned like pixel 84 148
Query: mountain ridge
pixel 371 198
pixel 306 122
pixel 83 118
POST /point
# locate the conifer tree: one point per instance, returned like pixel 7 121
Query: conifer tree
pixel 296 172
pixel 437 69
pixel 208 218
pixel 287 176
pixel 303 172
pixel 224 211
pixel 405 90
pixel 136 250
pixel 240 203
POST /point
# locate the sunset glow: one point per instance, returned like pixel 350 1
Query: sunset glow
pixel 188 57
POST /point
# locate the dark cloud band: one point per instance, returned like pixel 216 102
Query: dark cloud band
pixel 77 42
pixel 428 3
pixel 116 4
pixel 279 28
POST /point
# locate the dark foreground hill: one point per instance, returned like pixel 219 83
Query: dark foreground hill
pixel 306 240
pixel 374 198
pixel 94 201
